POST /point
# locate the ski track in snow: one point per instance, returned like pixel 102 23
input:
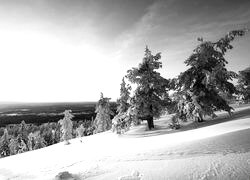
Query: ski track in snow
pixel 220 151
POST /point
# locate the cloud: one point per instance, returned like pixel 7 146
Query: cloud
pixel 140 31
pixel 76 19
pixel 114 34
pixel 172 27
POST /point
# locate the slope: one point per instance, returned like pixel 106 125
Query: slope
pixel 219 151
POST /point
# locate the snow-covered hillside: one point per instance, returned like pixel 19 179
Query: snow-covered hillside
pixel 219 151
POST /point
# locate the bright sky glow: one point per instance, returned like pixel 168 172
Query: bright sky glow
pixel 73 50
pixel 39 66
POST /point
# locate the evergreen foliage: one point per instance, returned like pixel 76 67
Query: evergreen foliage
pixel 66 126
pixel 23 132
pixel 121 123
pixel 123 101
pixel 122 120
pixel 36 141
pixel 13 146
pixel 243 85
pixel 46 132
pixel 26 137
pixel 31 141
pixel 207 76
pixel 80 131
pixel 150 96
pixel 39 142
pixel 102 121
pixel 19 144
pixel 4 144
pixel 22 147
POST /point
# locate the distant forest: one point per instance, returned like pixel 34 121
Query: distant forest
pixel 39 113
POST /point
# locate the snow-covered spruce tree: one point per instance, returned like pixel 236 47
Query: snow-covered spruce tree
pixel 121 121
pixel 13 146
pixel 123 101
pixel 177 104
pixel 23 132
pixel 102 121
pixel 21 139
pixel 4 144
pixel 151 94
pixel 184 108
pixel 66 126
pixel 243 84
pixel 39 142
pixel 207 76
pixel 22 147
pixel 36 141
pixel 80 131
pixel 47 134
pixel 31 141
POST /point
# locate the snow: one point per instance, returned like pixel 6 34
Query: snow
pixel 219 151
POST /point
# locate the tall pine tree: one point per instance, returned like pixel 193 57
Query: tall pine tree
pixel 150 96
pixel 207 76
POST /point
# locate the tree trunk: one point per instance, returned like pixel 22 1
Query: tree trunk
pixel 200 118
pixel 150 121
pixel 150 118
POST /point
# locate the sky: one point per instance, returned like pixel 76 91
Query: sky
pixel 71 50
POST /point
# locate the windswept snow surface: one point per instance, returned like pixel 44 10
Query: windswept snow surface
pixel 220 151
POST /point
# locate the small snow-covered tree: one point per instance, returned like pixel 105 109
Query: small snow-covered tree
pixel 13 146
pixel 102 121
pixel 80 131
pixel 22 147
pixel 46 133
pixel 66 126
pixel 36 141
pixel 123 101
pixel 23 132
pixel 39 142
pixel 4 144
pixel 31 141
pixel 121 121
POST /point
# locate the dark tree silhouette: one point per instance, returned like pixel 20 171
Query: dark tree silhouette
pixel 243 85
pixel 207 76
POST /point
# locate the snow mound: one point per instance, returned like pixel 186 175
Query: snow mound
pixel 64 176
pixel 135 175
